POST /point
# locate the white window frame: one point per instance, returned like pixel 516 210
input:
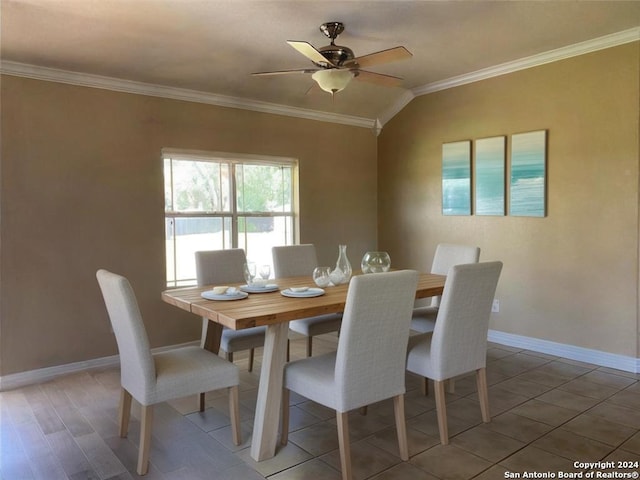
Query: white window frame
pixel 233 160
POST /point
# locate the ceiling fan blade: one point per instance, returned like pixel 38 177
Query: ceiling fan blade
pixel 377 78
pixel 284 72
pixel 383 56
pixel 309 51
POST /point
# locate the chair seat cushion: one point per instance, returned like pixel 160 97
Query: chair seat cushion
pixel 423 319
pixel 187 371
pixel 313 378
pixel 319 325
pixel 237 340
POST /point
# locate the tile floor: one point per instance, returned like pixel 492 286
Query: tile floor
pixel 548 413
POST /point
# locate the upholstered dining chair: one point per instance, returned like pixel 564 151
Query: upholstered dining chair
pixel 369 364
pixel 447 255
pixel 294 261
pixel 220 267
pixel 458 344
pixel 424 317
pixel 154 378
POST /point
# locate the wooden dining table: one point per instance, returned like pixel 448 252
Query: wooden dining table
pixel 274 311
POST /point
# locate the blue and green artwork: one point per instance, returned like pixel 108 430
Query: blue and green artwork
pixel 490 176
pixel 528 174
pixel 456 178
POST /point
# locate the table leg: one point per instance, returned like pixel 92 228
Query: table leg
pixel 210 340
pixel 211 334
pixel 265 427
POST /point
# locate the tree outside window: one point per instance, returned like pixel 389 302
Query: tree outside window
pixel 221 201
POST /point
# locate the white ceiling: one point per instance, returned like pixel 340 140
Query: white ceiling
pixel 212 46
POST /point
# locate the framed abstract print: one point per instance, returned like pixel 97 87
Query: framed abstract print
pixel 490 176
pixel 456 178
pixel 528 174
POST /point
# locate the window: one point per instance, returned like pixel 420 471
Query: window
pixel 215 201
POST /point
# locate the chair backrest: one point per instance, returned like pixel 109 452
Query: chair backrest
pixel 447 255
pixel 294 260
pixel 372 347
pixel 459 342
pixel 137 368
pixel 220 266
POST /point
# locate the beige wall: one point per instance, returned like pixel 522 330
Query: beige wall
pixel 82 189
pixel 571 277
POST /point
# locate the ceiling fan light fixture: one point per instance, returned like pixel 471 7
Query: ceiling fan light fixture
pixel 333 80
pixel 335 65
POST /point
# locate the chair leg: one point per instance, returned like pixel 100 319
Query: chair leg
pixel 309 345
pixel 234 413
pixel 205 327
pixel 145 439
pixel 425 386
pixel 343 440
pixel 201 400
pixel 229 356
pixel 251 354
pixel 401 427
pixel 483 394
pixel 288 350
pixel 441 408
pixel 452 385
pixel 124 412
pixel 284 434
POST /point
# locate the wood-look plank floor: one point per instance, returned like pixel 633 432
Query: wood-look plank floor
pixel 547 413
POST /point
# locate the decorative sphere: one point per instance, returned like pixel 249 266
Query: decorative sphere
pixel 375 262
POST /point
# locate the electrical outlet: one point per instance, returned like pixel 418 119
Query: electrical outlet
pixel 495 307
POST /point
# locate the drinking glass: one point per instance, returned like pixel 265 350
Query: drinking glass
pixel 321 276
pixel 249 272
pixel 265 271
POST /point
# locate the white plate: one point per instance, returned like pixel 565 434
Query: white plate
pixel 271 287
pixel 209 295
pixel 312 292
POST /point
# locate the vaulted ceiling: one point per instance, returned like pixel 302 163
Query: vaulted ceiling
pixel 210 47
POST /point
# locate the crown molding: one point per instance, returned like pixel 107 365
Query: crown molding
pixel 129 86
pixel 391 112
pixel 375 124
pixel 600 43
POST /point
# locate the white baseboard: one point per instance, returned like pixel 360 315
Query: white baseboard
pixel 587 355
pixel 596 357
pixel 22 379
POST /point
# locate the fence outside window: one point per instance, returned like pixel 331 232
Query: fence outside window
pixel 217 200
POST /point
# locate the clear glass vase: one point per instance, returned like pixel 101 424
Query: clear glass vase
pixel 342 272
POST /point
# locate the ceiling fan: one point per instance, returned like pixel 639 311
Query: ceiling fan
pixel 336 66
